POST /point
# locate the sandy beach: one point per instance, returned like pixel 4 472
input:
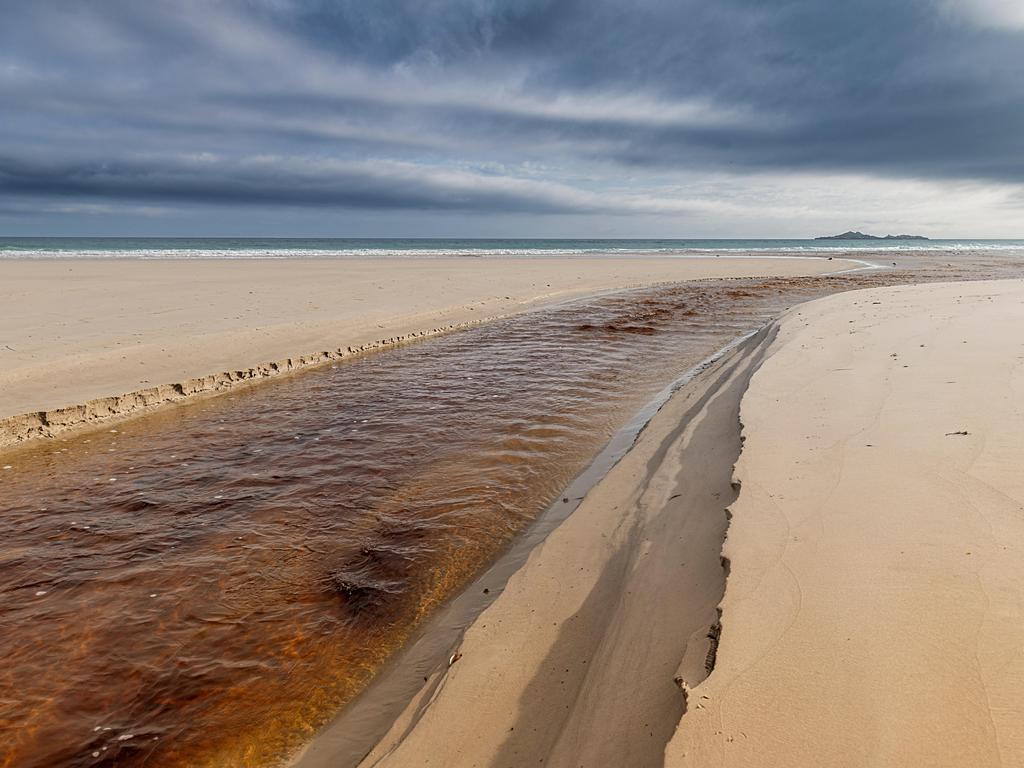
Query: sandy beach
pixel 77 335
pixel 873 612
pixel 866 610
pixel 810 556
pixel 469 384
pixel 586 656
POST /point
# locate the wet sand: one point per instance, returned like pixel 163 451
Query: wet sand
pixel 328 571
pixel 77 335
pixel 208 584
pixel 587 656
pixel 865 609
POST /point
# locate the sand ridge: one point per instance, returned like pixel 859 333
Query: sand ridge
pixel 873 614
pixel 865 608
pixel 589 654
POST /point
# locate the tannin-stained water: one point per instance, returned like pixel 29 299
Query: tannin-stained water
pixel 207 586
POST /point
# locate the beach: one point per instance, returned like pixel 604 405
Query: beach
pixel 872 614
pixel 801 550
pixel 79 334
pixel 310 527
pixel 469 384
pixel 587 655
pixel 863 609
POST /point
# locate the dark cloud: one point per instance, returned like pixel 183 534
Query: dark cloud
pixel 527 106
pixel 299 182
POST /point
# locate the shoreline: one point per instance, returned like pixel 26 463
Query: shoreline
pixel 224 463
pixel 396 697
pixel 378 722
pixel 25 429
pixel 109 361
pixel 820 597
pixel 632 612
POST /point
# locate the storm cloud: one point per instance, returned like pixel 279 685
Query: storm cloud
pixel 526 108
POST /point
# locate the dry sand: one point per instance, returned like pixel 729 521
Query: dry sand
pixel 872 611
pixel 873 614
pixel 76 332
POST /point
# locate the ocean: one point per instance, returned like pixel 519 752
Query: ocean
pixel 283 248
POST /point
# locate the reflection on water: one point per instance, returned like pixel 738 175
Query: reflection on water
pixel 207 586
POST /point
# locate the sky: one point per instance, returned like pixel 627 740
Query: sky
pixel 521 118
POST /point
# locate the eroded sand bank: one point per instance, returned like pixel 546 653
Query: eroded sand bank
pixel 587 656
pixel 77 335
pixel 872 611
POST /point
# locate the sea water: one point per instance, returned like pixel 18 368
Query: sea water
pixel 283 248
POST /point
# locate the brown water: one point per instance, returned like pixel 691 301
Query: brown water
pixel 209 585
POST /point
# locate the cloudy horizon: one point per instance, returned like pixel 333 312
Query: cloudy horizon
pixel 479 118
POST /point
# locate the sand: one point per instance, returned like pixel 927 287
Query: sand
pixel 76 335
pixel 586 656
pixel 870 603
pixel 873 614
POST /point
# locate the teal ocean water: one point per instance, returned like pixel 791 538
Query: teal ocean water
pixel 269 248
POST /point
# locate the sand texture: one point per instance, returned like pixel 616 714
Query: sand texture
pixel 587 656
pixel 873 613
pixel 83 341
pixel 867 610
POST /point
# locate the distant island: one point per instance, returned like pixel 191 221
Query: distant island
pixel 862 236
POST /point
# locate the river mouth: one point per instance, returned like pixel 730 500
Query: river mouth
pixel 209 585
